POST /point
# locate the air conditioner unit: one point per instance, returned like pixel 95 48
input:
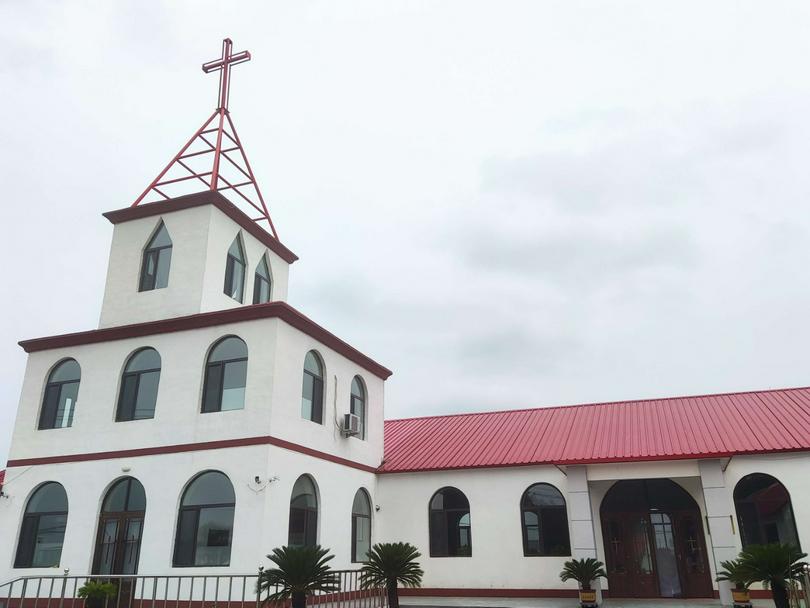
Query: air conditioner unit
pixel 351 425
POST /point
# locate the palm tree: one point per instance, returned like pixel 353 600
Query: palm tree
pixel 390 564
pixel 583 571
pixel 773 565
pixel 298 572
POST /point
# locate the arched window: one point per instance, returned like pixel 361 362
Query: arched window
pixel 545 521
pixel 764 511
pixel 118 542
pixel 361 526
pixel 450 531
pixel 139 386
pixel 358 404
pixel 312 391
pixel 43 528
pixel 225 376
pixel 205 522
pixel 235 271
pixel 262 282
pixel 59 402
pixel 303 531
pixel 157 257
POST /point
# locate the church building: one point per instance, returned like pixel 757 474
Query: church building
pixel 206 421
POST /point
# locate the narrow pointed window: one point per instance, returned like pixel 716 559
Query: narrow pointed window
pixel 303 527
pixel 139 386
pixel 358 404
pixel 361 526
pixel 157 257
pixel 61 392
pixel 261 282
pixel 235 271
pixel 312 390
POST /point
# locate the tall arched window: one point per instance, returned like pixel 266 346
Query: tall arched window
pixel 61 392
pixel 157 258
pixel 312 390
pixel 139 386
pixel 450 530
pixel 120 526
pixel 43 528
pixel 545 521
pixel 361 526
pixel 225 376
pixel 262 282
pixel 205 522
pixel 235 270
pixel 358 404
pixel 303 530
pixel 764 511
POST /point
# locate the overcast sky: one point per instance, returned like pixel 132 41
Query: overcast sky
pixel 509 204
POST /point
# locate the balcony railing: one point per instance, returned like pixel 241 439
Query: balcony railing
pixel 180 591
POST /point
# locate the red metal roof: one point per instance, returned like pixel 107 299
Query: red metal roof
pixel 654 429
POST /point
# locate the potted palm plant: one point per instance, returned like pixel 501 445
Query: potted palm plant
pixel 389 565
pixel 584 571
pixel 738 575
pixel 297 573
pixel 96 593
pixel 775 566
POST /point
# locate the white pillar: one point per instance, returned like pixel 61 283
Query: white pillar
pixel 583 538
pixel 719 519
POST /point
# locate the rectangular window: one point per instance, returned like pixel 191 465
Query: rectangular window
pixel 214 537
pixel 233 385
pixel 213 387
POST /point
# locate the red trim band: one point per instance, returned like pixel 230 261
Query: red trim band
pixel 192 447
pixel 487 592
pixel 196 200
pixel 279 310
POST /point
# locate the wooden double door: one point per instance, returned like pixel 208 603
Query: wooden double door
pixel 656 552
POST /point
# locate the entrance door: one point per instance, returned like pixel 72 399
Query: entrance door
pixel 654 543
pixel 118 540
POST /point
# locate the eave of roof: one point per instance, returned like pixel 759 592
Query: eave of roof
pixel 204 198
pixel 279 310
pixel 673 428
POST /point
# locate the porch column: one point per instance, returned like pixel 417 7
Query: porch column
pixel 583 538
pixel 719 519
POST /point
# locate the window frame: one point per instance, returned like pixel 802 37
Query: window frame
pixel 258 280
pixel 744 542
pixel 310 523
pixel 154 252
pixel 355 517
pixel 317 382
pixel 221 366
pixel 60 385
pixel 467 511
pixel 125 375
pixel 29 546
pixel 538 512
pixel 231 262
pixel 362 399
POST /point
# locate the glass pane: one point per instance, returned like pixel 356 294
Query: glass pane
pixel 161 238
pixel 186 538
pixel 449 498
pixel 237 281
pixel 48 547
pixel 211 488
pixel 362 537
pixel 229 348
pixel 132 545
pixel 641 546
pixel 357 388
pixel 107 546
pixel 213 387
pixel 147 395
pixel 262 269
pixel 67 371
pixel 214 537
pixel 306 397
pixel 164 261
pixel 129 394
pixel 235 250
pixel 148 270
pixel 144 359
pixel 233 386
pixel 137 496
pixel 49 498
pixel 67 404
pixel 312 364
pixel 360 505
pixel 542 495
pixel 116 500
pixel 50 402
pixel 303 494
pixel 669 582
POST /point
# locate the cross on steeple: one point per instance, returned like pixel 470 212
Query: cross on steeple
pixel 223 66
pixel 226 151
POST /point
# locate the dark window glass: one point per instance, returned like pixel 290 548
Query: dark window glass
pixel 61 392
pixel 312 390
pixel 261 282
pixel 358 404
pixel 205 522
pixel 545 521
pixel 303 529
pixel 118 541
pixel 157 258
pixel 361 526
pixel 449 523
pixel 235 271
pixel 126 494
pixel 43 528
pixel 764 511
pixel 225 376
pixel 139 386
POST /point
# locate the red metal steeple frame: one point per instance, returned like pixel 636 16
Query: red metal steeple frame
pixel 225 146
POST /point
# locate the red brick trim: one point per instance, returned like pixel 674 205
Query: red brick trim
pixel 488 592
pixel 192 447
pixel 204 198
pixel 279 310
